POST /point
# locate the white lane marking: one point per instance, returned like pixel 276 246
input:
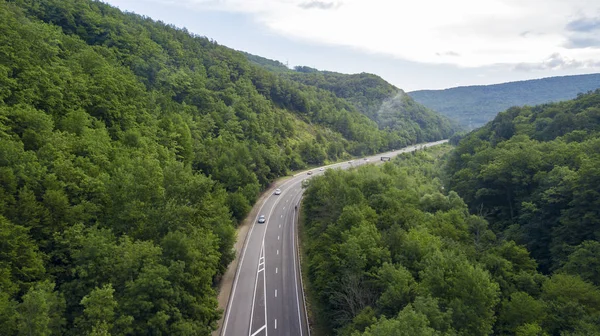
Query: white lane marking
pixel 276 269
pixel 237 276
pixel 263 255
pixel 264 287
pixel 281 216
pixel 287 200
pixel 277 237
pixel 259 330
pixel 296 275
pixel 277 252
pixel 295 219
pixel 280 226
pixel 296 178
pixel 260 255
pixel 241 262
pixel 283 208
pixel 275 323
pixel 276 293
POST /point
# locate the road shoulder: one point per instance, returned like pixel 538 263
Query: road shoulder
pixel 226 284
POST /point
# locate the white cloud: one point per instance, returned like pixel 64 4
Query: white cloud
pixel 466 33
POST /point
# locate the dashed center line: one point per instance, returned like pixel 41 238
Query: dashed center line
pixel 275 323
pixel 276 293
pixel 276 270
pixel 277 237
pixel 277 252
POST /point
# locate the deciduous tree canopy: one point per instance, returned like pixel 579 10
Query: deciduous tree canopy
pixel 391 252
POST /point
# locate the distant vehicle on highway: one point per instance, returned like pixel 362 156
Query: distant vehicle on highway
pixel 385 158
pixel 350 161
pixel 277 191
pixel 262 219
pixel 322 169
pixel 309 172
pixel 366 159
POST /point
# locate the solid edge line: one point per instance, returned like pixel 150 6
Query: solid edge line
pixel 237 270
pixel 254 295
pixel 300 271
pixel 237 275
pixel 246 240
pixel 412 149
pixel 263 244
pixel 406 149
pixel 297 256
pixel 265 284
pixel 302 281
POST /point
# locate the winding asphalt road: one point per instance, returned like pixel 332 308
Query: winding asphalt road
pixel 267 296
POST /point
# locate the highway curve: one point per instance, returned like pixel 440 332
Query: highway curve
pixel 267 294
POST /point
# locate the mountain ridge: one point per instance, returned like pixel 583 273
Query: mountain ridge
pixel 474 105
pixel 389 106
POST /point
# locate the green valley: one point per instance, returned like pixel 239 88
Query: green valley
pixel 129 151
pixel 134 152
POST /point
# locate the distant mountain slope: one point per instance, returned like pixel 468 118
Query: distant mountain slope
pixel 473 106
pixel 390 107
pixel 269 64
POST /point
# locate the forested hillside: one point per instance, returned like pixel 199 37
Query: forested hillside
pixel 129 149
pixel 269 64
pixel 534 173
pixel 390 251
pixel 391 108
pixel 473 106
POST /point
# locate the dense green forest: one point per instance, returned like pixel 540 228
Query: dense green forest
pixel 473 106
pixel 269 64
pixel 391 108
pixel 129 150
pixel 391 251
pixel 534 173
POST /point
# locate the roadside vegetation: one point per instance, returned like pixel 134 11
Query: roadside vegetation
pixel 391 251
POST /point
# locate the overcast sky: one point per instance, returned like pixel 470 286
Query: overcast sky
pixel 419 44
